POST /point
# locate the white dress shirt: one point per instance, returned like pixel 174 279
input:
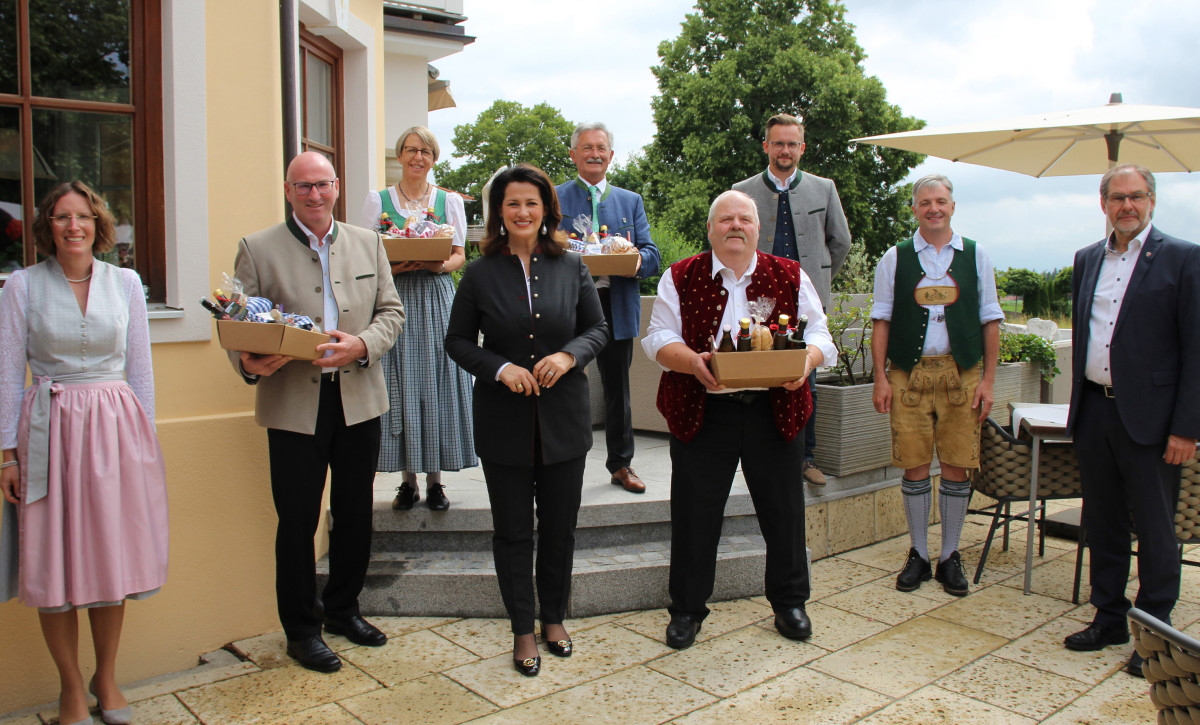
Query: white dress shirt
pixel 936 265
pixel 666 323
pixel 321 247
pixel 1115 270
pixel 781 185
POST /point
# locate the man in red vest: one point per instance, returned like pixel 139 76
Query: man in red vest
pixel 713 428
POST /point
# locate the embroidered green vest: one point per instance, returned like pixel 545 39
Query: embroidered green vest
pixel 906 337
pixel 439 207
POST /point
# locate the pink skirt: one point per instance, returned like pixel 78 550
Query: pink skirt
pixel 100 534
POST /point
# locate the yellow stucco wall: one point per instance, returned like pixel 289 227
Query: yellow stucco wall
pixel 221 582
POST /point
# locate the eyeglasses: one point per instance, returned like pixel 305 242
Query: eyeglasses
pixel 304 188
pixel 411 150
pixel 1137 197
pixel 789 145
pixel 64 220
pixel 588 148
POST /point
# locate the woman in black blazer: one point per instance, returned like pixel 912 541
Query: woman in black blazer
pixel 541 322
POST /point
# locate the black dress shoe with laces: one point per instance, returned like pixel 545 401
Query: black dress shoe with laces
pixel 312 653
pixel 1097 637
pixel 681 632
pixel 357 630
pixel 916 570
pixel 529 666
pixel 793 623
pixel 951 575
pixel 435 497
pixel 406 495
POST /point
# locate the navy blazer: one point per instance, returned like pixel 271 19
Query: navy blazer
pixel 565 317
pixel 623 212
pixel 1155 352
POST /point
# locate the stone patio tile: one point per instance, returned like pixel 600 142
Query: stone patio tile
pixel 599 651
pixel 837 574
pixel 736 661
pixel 1054 579
pixel 908 656
pixel 630 697
pixel 409 657
pixel 798 696
pixel 834 628
pixel 395 627
pixel 217 666
pixel 1013 560
pixel 1119 699
pixel 1013 686
pixel 268 650
pixel 1002 611
pixel 887 555
pixel 329 714
pixel 431 700
pixel 931 705
pixel 23 720
pixel 1043 649
pixel 484 637
pixel 722 618
pixel 881 601
pixel 272 694
pixel 162 710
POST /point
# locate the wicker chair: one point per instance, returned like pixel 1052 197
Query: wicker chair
pixel 1004 466
pixel 1171 667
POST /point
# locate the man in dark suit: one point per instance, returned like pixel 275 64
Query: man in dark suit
pixel 322 418
pixel 1135 402
pixel 802 220
pixel 623 213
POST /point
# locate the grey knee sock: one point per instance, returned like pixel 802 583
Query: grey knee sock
pixel 918 497
pixel 953 499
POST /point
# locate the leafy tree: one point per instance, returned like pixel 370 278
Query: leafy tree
pixel 505 134
pixel 1019 282
pixel 734 65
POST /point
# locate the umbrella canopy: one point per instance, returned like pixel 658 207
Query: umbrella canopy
pixel 1066 143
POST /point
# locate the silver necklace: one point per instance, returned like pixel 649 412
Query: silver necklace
pixel 85 279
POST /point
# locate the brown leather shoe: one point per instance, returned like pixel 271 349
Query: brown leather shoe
pixel 627 479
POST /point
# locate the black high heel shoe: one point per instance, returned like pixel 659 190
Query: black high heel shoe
pixel 530 666
pixel 561 648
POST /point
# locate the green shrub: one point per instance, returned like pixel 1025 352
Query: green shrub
pixel 672 247
pixel 1023 347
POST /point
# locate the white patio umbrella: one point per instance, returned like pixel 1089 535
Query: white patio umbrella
pixel 1066 143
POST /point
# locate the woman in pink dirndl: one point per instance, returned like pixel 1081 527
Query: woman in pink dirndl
pixel 85 519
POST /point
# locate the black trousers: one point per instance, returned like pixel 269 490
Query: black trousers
pixel 1125 482
pixel 613 362
pixel 701 477
pixel 810 429
pixel 514 491
pixel 299 464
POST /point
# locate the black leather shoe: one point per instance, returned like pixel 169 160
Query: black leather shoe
pixel 951 575
pixel 559 648
pixel 312 653
pixel 357 630
pixel 435 497
pixel 1135 665
pixel 793 623
pixel 529 666
pixel 916 570
pixel 406 495
pixel 1096 637
pixel 681 632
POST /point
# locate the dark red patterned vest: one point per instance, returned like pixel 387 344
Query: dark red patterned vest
pixel 702 302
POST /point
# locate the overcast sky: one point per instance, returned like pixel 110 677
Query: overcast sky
pixel 941 61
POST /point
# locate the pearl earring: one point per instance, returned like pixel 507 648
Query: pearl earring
pixel 503 231
pixel 543 229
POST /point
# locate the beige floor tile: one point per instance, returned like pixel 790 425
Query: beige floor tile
pixel 329 714
pixel 733 662
pixel 798 696
pixel 162 710
pixel 1189 585
pixel 881 601
pixel 431 700
pixel 886 555
pixel 267 650
pixel 1002 611
pixel 484 637
pixel 932 705
pixel 582 623
pixel 630 697
pixel 273 694
pixel 1013 560
pixel 834 628
pixel 1185 614
pixel 396 627
pixel 599 651
pixel 908 656
pixel 1013 686
pixel 22 720
pixel 408 657
pixel 1043 649
pixel 1054 579
pixel 723 617
pixel 1119 699
pixel 219 665
pixel 836 574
